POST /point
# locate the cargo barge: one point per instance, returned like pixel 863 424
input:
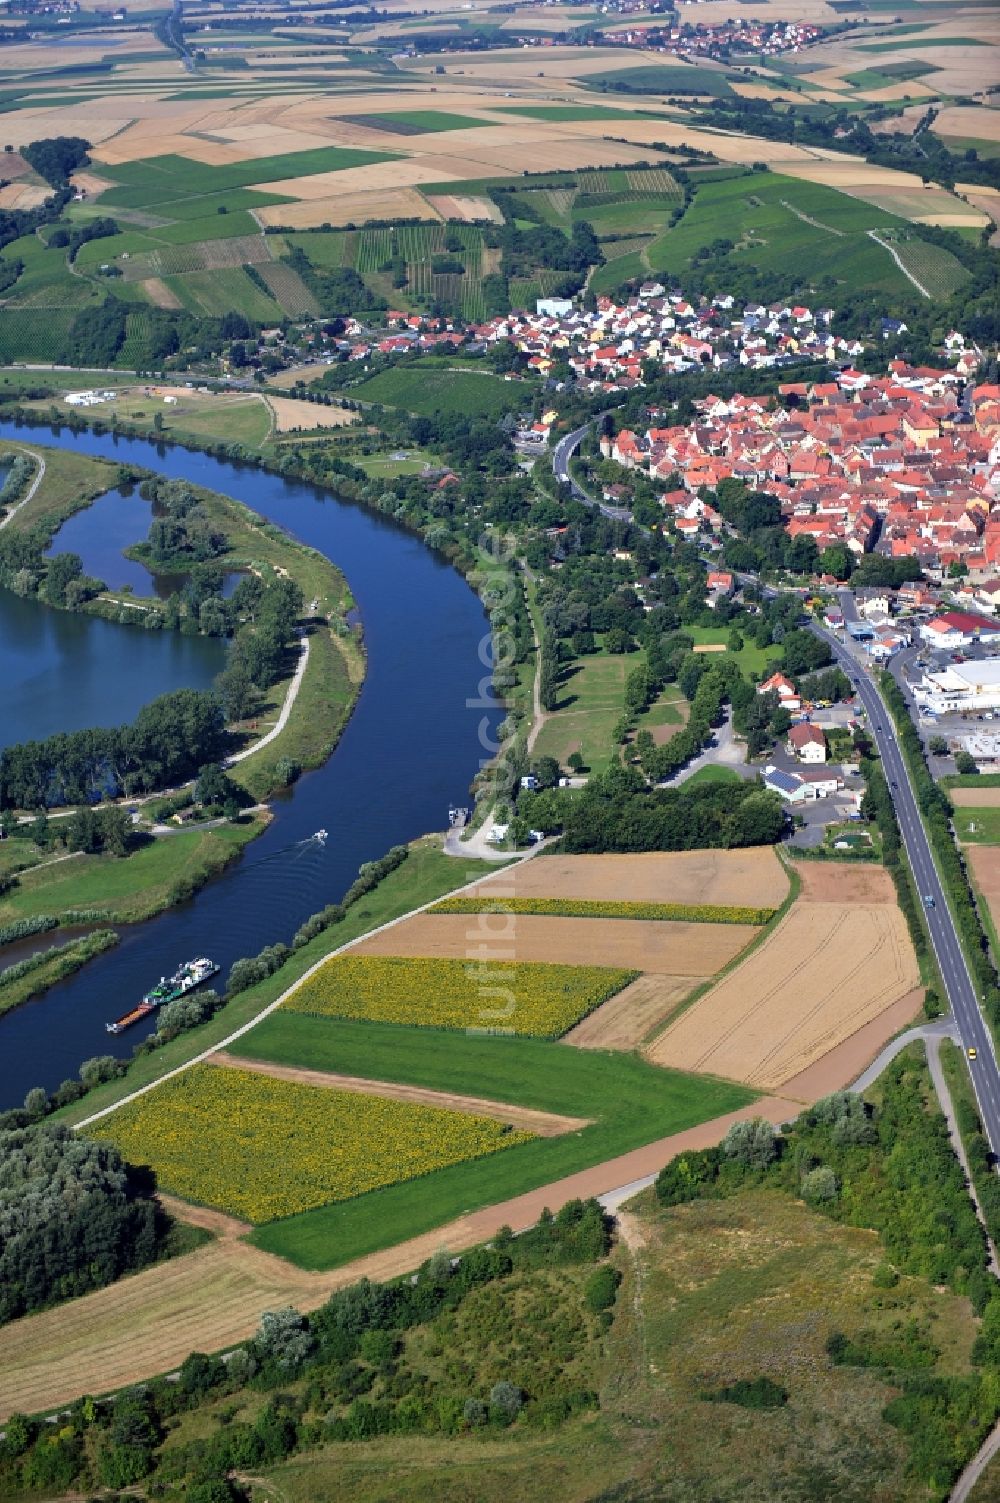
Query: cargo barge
pixel 191 974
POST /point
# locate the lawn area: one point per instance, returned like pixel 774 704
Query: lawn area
pixel 428 390
pixel 386 466
pixel 768 217
pixel 129 888
pixel 589 703
pixel 752 659
pixel 232 418
pixel 977 826
pixel 636 1103
pixel 426 874
pixel 713 775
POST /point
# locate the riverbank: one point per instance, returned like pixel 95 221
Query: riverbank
pixel 124 889
pixel 376 792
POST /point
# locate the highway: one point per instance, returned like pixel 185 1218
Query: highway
pixel 958 982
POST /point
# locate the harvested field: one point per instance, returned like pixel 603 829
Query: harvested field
pixel 465 207
pixel 160 294
pixel 827 970
pixel 352 208
pixel 291 415
pixel 23 195
pixel 753 876
pixel 542 1124
pixel 625 1020
pixel 636 944
pixel 975 798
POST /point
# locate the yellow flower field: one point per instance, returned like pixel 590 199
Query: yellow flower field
pixel 528 999
pixel 263 1148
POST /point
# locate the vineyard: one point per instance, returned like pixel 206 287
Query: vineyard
pixel 202 255
pixel 34 333
pixel 934 267
pixel 262 1148
pixel 135 353
pixel 289 290
pixel 531 1000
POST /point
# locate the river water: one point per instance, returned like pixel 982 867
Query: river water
pixel 411 748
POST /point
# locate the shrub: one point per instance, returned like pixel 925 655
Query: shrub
pixel 601 1288
pixel 751 1393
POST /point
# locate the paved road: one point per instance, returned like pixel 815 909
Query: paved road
pixel 971 1025
pixel 561 456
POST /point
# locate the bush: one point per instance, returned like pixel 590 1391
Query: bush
pixel 601 1288
pixel 751 1393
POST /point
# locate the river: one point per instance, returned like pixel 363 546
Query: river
pixel 411 748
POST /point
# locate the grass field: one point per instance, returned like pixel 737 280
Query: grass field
pixel 429 390
pixel 635 1102
pixel 775 222
pixel 588 705
pixel 978 826
pixel 160 181
pixel 125 890
pixel 751 658
pixel 661 78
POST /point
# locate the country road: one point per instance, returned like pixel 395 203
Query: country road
pixel 972 1030
pixel 40 461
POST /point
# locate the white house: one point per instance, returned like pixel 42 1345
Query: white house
pixel 807 742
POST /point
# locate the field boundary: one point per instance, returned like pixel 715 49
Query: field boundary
pixel 205 1055
pixel 545 1124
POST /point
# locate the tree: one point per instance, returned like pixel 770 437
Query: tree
pixel 753 1144
pixel 284 1338
pixel 575 762
pixel 36 1103
pixel 965 763
pixel 937 746
pixel 819 1185
pixel 114 829
pixel 546 771
pixel 506 1402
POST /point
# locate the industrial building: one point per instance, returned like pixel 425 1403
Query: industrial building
pixel 961 688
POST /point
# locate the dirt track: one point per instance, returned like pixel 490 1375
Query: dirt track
pixel 214 1297
pixel 544 1124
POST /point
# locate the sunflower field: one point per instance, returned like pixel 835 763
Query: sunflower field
pixel 262 1148
pixel 529 999
pixel 690 913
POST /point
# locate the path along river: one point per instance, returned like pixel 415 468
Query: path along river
pixel 411 748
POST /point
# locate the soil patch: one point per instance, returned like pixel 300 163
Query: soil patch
pixel 975 798
pixel 822 882
pixel 543 1124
